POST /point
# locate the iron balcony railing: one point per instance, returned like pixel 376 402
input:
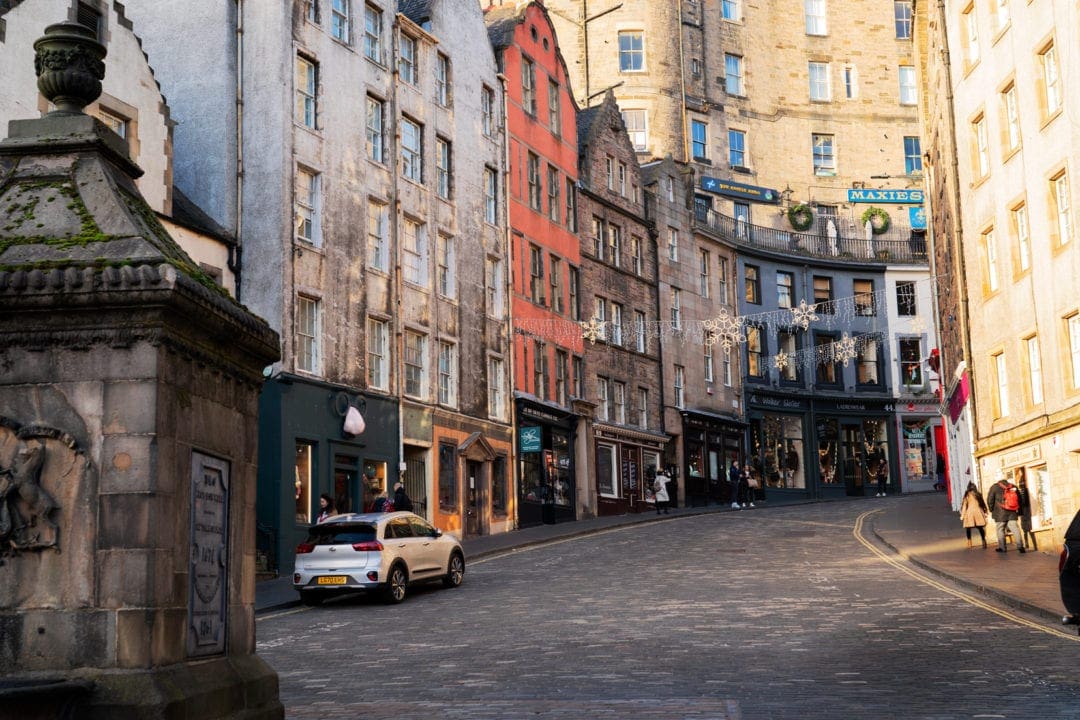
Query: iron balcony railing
pixel 831 239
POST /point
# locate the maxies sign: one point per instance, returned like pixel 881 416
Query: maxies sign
pixel 865 195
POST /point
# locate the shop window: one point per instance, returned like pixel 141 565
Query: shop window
pixel 498 485
pixel 606 481
pixel 305 453
pixel 558 468
pixel 828 435
pixel 448 489
pixel 374 481
pixel 533 484
pixel 779 443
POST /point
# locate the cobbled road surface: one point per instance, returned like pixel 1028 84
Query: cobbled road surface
pixel 764 613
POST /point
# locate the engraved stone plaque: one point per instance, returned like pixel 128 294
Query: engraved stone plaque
pixel 208 572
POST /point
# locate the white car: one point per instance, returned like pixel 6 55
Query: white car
pixel 383 552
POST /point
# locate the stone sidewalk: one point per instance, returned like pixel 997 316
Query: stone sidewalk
pixel 920 528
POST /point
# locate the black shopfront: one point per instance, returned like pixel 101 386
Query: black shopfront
pixel 546 439
pixel 822 448
pixel 710 444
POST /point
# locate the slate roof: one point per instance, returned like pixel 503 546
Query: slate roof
pixel 419 11
pixel 501 23
pixel 187 213
pixel 585 120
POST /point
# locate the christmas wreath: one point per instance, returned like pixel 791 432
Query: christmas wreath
pixel 800 216
pixel 879 219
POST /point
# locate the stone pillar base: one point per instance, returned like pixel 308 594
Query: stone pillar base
pixel 229 688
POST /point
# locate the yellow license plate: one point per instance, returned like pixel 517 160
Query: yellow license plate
pixel 332 580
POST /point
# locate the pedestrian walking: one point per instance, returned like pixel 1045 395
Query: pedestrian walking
pixel 1004 503
pixel 750 486
pixel 401 498
pixel 326 508
pixel 734 481
pixel 882 475
pixel 973 513
pixel 660 492
pixel 1025 510
pixel 939 471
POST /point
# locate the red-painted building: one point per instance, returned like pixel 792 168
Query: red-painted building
pixel 546 259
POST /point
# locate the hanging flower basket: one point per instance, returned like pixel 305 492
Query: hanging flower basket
pixel 800 216
pixel 879 220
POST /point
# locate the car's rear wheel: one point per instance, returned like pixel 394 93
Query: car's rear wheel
pixel 311 597
pixel 396 583
pixel 455 571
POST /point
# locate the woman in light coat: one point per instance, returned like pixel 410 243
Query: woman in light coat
pixel 973 513
pixel 660 493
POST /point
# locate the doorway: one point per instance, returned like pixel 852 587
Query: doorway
pixel 854 460
pixel 475 498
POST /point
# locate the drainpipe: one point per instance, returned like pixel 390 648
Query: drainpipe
pixel 235 263
pixel 682 92
pixel 508 297
pixel 399 330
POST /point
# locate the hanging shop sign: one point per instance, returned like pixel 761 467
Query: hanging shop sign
pixel 917 218
pixel 530 438
pixel 740 190
pixel 871 195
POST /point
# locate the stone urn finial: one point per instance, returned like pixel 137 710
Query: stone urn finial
pixel 69 66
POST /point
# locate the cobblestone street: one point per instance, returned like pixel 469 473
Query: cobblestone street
pixel 762 614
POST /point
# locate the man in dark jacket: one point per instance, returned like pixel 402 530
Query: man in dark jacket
pixel 401 498
pixel 734 480
pixel 1004 516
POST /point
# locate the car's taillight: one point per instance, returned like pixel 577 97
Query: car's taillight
pixel 304 548
pixel 368 546
pixel 1064 558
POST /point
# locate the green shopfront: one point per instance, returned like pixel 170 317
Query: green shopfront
pixel 304 452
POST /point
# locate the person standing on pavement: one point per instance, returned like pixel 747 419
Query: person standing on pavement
pixel 401 498
pixel 973 513
pixel 734 481
pixel 326 508
pixel 1004 502
pixel 660 492
pixel 882 475
pixel 1025 510
pixel 750 484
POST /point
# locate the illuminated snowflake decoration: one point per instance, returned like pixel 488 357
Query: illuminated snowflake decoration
pixel 804 314
pixel 917 324
pixel 845 349
pixel 781 361
pixel 592 330
pixel 726 330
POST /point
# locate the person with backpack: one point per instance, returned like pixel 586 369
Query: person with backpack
pixel 1003 500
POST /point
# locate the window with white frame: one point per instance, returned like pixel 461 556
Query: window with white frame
pixel 553 184
pixel 824 154
pixel 729 9
pixel 989 243
pixel 643 408
pixel 412 158
pixel 536 274
pixel 1023 238
pixel 785 289
pixel 851 82
pixel 902 18
pixel 788 343
pixel 306 91
pixel 676 308
pixel 573 286
pixel 487 111
pixel 558 305
pixel 981 146
pixel 1034 363
pixel 448 374
pixel 378 242
pixel 970 23
pixel 755 352
pixel 1000 8
pixel 622 179
pixel 680 386
pixel 307 334
pixel 1051 81
pixel 704 265
pixel 639 331
pixel 673 244
pixel 725 362
pixel 493 285
pixel 909 94
pixel 554 108
pixel 603 399
pixel 414 253
pixel 528 86
pixel 308 201
pixel 619 403
pixel 1011 116
pixel 373 21
pixel 815 17
pixel 867 362
pixel 708 356
pixel 722 278
pixel 600 316
pixel 446 275
pixel 616 333
pixel 906 304
pixel 820 85
pixel 491 202
pixel 496 381
pixel 533 177
pixel 1001 385
pixel 376 143
pixel 114 121
pixel 912 155
pixel 408 59
pixel 571 205
pixel 443 88
pixel 631 51
pixel 1059 193
pixel 442 168
pixel 339 20
pixel 637 128
pixel 614 249
pixel 733 75
pixel 415 359
pixel 312 11
pixel 562 377
pixel 736 148
pixel 669 188
pixel 699 139
pixel 637 260
pixel 378 354
pixel 1072 325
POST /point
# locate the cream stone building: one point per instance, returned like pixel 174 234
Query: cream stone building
pixel 1003 151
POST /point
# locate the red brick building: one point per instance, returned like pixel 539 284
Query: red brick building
pixel 546 259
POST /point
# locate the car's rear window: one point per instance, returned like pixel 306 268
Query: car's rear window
pixel 340 534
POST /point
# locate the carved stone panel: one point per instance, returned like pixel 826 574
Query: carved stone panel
pixel 27 470
pixel 208 572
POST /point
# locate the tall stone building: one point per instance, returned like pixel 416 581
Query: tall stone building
pixel 366 158
pixel 1003 209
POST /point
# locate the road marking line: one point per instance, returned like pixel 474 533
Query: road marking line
pixel 971 600
pixel 281 614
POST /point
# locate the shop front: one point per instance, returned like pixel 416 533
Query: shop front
pixel 711 442
pixel 923 455
pixel 779 448
pixel 547 488
pixel 626 465
pixel 305 452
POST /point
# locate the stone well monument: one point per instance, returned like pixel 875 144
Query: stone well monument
pixel 128 424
